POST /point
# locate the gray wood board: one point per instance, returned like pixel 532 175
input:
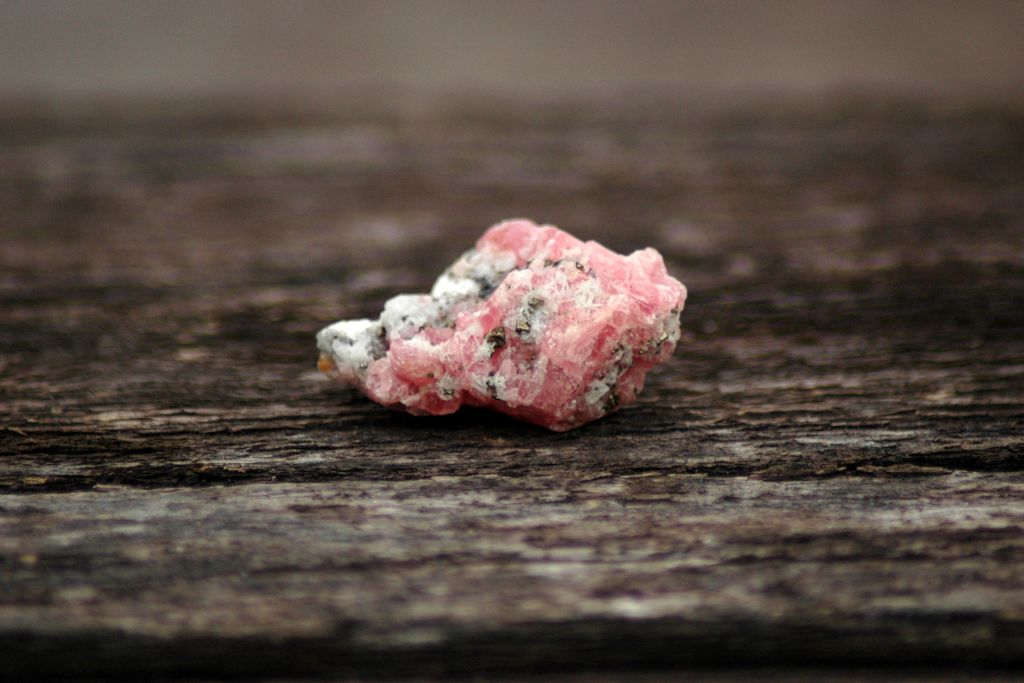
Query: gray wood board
pixel 830 471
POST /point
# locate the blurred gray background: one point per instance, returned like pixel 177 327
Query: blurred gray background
pixel 159 47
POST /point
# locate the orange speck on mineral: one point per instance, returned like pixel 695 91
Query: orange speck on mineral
pixel 325 365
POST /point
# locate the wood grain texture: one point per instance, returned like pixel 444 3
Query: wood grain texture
pixel 829 473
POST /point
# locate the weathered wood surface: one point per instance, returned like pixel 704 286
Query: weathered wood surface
pixel 829 473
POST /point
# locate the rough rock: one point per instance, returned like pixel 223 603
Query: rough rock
pixel 532 322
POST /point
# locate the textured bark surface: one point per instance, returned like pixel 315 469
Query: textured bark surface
pixel 829 473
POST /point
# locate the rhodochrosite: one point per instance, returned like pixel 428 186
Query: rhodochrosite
pixel 532 322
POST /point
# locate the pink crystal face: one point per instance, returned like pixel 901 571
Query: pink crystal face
pixel 532 322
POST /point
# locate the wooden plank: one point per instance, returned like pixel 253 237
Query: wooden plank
pixel 829 473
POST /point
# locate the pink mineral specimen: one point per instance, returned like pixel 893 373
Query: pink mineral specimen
pixel 532 322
